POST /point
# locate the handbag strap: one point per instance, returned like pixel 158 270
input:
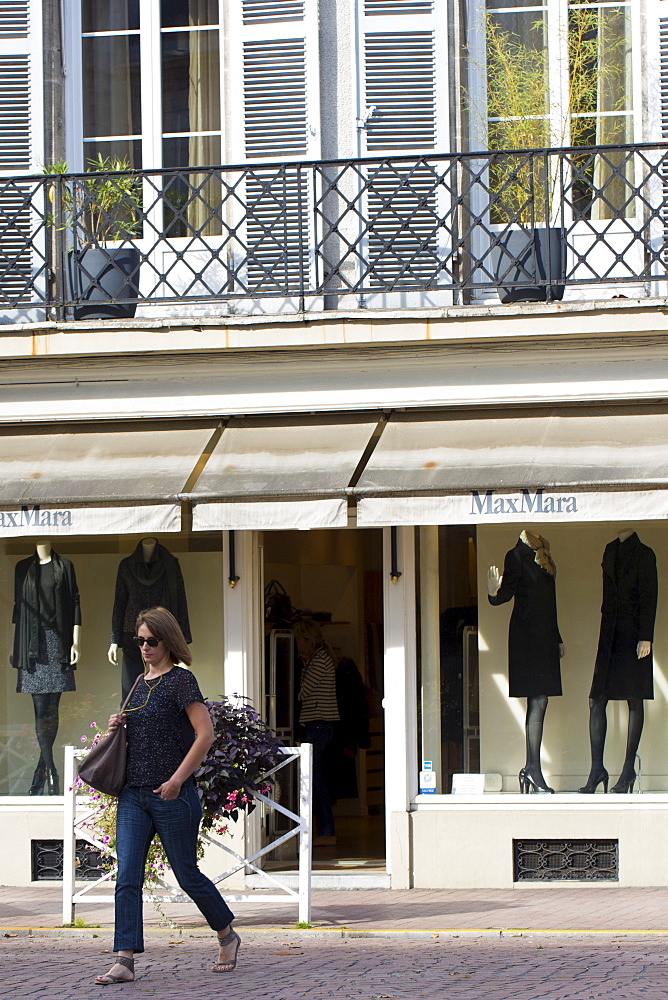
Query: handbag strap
pixel 131 692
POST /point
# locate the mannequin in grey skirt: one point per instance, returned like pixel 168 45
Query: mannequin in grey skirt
pixel 47 621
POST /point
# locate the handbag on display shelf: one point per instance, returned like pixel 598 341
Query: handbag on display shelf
pixel 278 609
pixel 103 767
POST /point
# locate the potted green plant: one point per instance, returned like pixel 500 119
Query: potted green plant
pixel 529 258
pixel 101 212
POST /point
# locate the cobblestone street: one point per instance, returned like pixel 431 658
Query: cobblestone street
pixel 282 967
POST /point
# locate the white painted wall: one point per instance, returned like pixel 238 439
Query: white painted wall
pixel 470 845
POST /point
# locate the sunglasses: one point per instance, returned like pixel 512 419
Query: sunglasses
pixel 150 641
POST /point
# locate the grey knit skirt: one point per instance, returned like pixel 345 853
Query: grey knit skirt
pixel 49 675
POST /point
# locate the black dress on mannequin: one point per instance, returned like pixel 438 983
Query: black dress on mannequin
pixel 46 609
pixel 628 614
pixel 534 670
pixel 141 585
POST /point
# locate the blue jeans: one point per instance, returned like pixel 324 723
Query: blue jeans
pixel 142 814
pixel 320 734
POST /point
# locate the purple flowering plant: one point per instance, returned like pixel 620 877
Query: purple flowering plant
pixel 243 750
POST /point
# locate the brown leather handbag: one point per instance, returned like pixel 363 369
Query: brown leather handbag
pixel 103 767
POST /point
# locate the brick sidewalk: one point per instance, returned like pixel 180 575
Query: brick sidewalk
pixel 562 908
pixel 513 968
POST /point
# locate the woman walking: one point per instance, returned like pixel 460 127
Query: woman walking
pixel 169 733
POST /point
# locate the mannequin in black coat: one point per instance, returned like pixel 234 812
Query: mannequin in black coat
pixel 534 642
pixel 623 669
pixel 150 577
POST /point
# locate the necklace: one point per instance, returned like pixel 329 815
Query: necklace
pixel 151 689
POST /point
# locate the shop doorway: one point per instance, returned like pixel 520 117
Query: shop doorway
pixel 334 577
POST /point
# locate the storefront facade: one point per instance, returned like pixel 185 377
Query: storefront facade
pixel 377 479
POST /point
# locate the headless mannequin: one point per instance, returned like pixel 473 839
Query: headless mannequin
pixel 45 707
pixel 598 726
pixel 148 548
pixel 535 715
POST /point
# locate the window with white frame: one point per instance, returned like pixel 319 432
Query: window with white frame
pixel 180 104
pixel 190 84
pixel 557 73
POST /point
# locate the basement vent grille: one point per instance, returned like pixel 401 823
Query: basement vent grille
pixel 566 860
pixel 47 861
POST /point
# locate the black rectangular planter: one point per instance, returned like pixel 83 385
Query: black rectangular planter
pixel 525 260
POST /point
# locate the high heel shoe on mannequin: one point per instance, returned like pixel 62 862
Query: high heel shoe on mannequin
pixel 626 781
pixel 38 779
pixel 530 783
pixel 594 780
pixel 52 781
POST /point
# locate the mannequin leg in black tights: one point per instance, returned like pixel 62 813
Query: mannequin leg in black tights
pixel 597 732
pixel 531 775
pixel 46 729
pixel 598 727
pixel 636 719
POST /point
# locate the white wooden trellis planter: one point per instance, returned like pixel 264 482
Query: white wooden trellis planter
pixel 77 813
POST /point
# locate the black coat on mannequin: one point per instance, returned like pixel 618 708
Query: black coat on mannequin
pixel 141 585
pixel 26 615
pixel 533 636
pixel 628 613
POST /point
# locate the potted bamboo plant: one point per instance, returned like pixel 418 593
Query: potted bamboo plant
pixel 100 210
pixel 529 258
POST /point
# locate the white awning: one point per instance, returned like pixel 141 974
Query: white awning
pixel 291 457
pixel 503 507
pixel 96 481
pixel 57 521
pixel 149 463
pixel 270 515
pixel 556 464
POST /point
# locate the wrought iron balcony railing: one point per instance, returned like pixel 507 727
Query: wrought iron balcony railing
pixel 390 232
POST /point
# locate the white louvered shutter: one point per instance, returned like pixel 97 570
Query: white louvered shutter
pixel 663 97
pixel 404 108
pixel 278 76
pixel 20 146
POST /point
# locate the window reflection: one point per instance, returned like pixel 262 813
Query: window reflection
pixel 190 82
pixel 110 15
pixel 111 80
pixel 182 13
pixel 111 86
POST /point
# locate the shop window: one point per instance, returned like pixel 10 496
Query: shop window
pixel 447 652
pixel 92 691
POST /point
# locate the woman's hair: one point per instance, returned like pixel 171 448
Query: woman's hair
pixel 163 625
pixel 306 630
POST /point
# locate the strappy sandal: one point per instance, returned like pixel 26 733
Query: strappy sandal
pixel 109 980
pixel 231 963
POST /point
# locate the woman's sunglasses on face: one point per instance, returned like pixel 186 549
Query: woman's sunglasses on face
pixel 149 640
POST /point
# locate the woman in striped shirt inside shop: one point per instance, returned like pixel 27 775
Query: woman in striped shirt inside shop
pixel 318 716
